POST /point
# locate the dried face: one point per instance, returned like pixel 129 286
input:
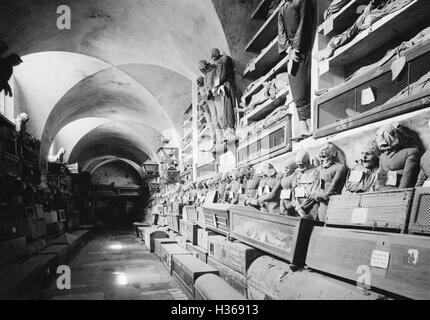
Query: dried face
pixel 203 66
pixel 215 55
pixel 369 159
pixel 200 81
pixel 271 172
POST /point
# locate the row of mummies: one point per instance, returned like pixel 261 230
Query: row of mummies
pixel 393 161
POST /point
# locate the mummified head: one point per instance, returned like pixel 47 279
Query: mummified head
pixel 200 81
pixel 369 158
pixel 302 160
pixel 203 66
pixel 328 155
pixel 290 167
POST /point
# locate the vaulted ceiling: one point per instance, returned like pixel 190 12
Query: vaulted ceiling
pixel 115 83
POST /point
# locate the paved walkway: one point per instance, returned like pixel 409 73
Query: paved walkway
pixel 117 266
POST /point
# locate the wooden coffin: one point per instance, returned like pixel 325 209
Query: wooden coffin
pixel 237 256
pixel 38 228
pixel 159 242
pixel 187 269
pixel 420 213
pixel 272 279
pixel 198 252
pixel 214 249
pixel 167 252
pixel 203 238
pixel 162 221
pixel 150 235
pixel 217 217
pixel 56 228
pixel 155 217
pixel 189 213
pixel 376 210
pixel 212 287
pixel 281 236
pixel 11 250
pixel 201 217
pixel 182 242
pixel 189 231
pixel 173 222
pixel 177 208
pixel 235 279
pixel 395 263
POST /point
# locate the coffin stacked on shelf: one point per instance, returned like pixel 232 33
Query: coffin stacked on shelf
pixel 369 93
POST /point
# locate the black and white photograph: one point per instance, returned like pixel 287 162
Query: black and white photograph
pixel 189 151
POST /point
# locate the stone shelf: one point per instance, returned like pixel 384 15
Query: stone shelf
pixel 260 12
pixel 266 108
pixel 281 66
pixel 266 33
pixel 343 19
pixel 381 33
pixel 267 58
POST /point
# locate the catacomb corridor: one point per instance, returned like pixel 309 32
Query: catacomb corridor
pixel 214 150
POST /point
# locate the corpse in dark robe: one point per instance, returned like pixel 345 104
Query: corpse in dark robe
pixel 296 27
pixel 363 177
pixel 225 92
pixel 332 177
pixel 6 70
pixel 305 187
pixel 399 164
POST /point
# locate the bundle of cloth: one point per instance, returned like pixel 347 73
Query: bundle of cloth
pixel 375 11
pixel 269 91
pixel 335 7
pixel 421 37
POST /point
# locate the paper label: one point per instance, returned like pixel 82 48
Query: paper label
pixel 426 184
pixel 266 189
pixel 355 176
pixel 367 96
pixel 286 194
pixel 392 178
pixel 240 191
pixel 231 195
pixel 380 259
pixel 300 192
pixel 359 215
pixel 260 191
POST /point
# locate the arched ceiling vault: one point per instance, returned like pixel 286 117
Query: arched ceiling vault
pixel 129 61
pixel 102 161
pixel 112 139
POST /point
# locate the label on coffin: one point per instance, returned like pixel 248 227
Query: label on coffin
pixel 380 259
pixel 231 195
pixel 260 191
pixel 359 215
pixel 300 192
pixel 426 184
pixel 266 189
pixel 355 176
pixel 286 194
pixel 367 96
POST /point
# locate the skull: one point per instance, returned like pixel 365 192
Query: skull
pixel 328 155
pixel 302 160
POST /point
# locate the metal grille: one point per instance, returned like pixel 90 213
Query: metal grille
pixel 335 109
pixel 423 213
pixel 383 88
pixel 348 104
pixel 419 67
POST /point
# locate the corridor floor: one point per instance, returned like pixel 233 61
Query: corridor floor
pixel 117 266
